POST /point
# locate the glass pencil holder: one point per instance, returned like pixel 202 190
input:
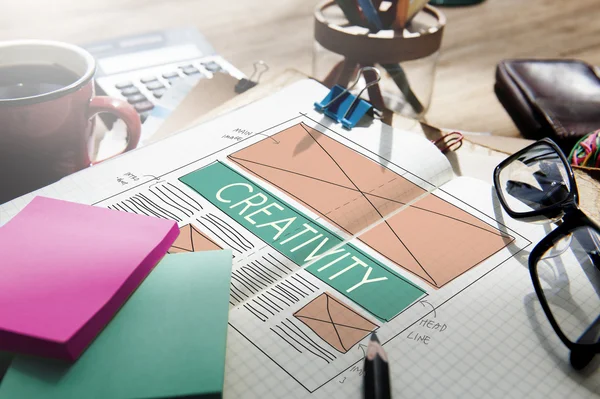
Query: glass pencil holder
pixel 406 59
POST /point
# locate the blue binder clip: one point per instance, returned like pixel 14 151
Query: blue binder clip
pixel 346 108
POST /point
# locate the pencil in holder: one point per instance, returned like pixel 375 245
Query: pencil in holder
pixel 406 59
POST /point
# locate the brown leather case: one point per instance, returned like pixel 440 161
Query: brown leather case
pixel 559 99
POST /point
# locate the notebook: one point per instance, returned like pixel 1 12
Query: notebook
pixel 334 234
pixel 67 268
pixel 167 341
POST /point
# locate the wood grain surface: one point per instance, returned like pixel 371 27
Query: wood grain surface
pixel 588 184
pixel 280 32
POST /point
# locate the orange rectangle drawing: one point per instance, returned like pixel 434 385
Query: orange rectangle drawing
pixel 192 240
pixel 431 238
pixel 337 324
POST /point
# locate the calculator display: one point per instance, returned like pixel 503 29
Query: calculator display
pixel 148 58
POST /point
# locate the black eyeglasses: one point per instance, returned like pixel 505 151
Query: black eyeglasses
pixel 535 184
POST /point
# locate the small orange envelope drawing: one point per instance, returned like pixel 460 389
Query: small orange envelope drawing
pixel 337 324
pixel 192 240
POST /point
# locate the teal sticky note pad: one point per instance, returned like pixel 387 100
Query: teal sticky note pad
pixel 167 341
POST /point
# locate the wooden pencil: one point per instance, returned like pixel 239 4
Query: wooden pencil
pixel 377 372
pixel 401 14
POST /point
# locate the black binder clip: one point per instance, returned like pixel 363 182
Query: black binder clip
pixel 346 108
pixel 246 84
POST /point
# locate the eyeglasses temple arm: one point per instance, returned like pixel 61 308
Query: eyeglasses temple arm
pixel 595 256
pixel 581 358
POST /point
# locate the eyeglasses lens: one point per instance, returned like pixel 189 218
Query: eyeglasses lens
pixel 569 274
pixel 536 180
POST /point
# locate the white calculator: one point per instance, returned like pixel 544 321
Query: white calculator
pixel 141 68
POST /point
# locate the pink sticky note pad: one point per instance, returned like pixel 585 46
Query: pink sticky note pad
pixel 66 269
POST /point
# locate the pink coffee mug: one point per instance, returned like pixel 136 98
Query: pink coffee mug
pixel 49 135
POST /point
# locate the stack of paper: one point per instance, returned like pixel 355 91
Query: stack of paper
pixel 67 269
pixel 168 340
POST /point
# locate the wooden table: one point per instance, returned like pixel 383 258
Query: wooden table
pixel 280 32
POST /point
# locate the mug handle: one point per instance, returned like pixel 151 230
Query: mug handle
pixel 122 110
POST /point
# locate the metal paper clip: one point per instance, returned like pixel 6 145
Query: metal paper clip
pixel 245 84
pixel 346 108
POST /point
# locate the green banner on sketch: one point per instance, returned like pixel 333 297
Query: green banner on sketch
pixel 347 269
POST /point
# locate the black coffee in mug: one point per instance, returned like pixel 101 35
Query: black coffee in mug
pixel 18 81
pixel 47 114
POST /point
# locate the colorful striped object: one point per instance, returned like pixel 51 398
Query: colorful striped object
pixel 587 151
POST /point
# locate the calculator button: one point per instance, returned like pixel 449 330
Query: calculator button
pixel 212 66
pixel 170 75
pixel 122 85
pixel 136 98
pixel 129 91
pixel 148 79
pixel 143 106
pixel 190 70
pixel 155 85
pixel 158 93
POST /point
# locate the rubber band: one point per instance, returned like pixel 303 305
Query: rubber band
pixel 450 142
pixel 587 151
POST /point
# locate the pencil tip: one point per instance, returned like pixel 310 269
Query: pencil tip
pixel 374 337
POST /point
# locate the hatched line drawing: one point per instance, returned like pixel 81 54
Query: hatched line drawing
pixel 266 309
pixel 249 284
pixel 281 298
pixel 232 246
pixel 246 242
pixel 271 303
pixel 144 208
pixel 288 342
pixel 156 206
pixel 271 272
pixel 302 341
pixel 230 240
pixel 267 303
pixel 180 194
pixel 255 312
pixel 162 200
pixel 233 295
pixel 303 284
pixel 258 271
pixel 255 281
pixel 229 232
pixel 295 327
pixel 167 199
pixel 353 192
pixel 259 277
